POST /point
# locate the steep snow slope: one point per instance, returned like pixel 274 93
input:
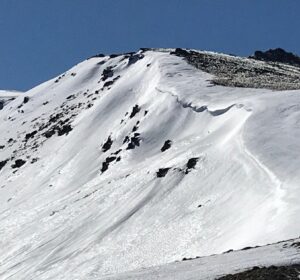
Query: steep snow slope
pixel 85 189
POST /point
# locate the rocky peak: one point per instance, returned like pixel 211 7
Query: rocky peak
pixel 277 55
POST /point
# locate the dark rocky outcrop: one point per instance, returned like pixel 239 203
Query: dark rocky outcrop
pixel 108 83
pixel 107 145
pixel 70 97
pixel 134 141
pixel 3 163
pixel 166 146
pixel 106 163
pixel 64 130
pixel 133 58
pixel 180 52
pixel 30 135
pixel 277 55
pixel 107 73
pixel 98 55
pixel 290 272
pixel 49 133
pixel 134 111
pixel 61 130
pixel 191 164
pixel 18 163
pixel 162 172
pixel 114 55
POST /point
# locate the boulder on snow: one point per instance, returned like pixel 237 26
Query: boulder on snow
pixel 191 164
pixel 3 163
pixel 107 145
pixel 162 172
pixel 166 146
pixel 18 163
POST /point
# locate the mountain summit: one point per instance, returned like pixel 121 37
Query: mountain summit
pixel 147 158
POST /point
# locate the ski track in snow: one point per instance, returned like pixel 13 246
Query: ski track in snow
pixel 77 210
pixel 279 192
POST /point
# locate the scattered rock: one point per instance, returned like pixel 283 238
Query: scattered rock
pixel 70 97
pixel 267 273
pixel 117 152
pixel 34 160
pixel 296 245
pixel 180 52
pixel 114 55
pixel 134 141
pixel 126 139
pixel 64 130
pixel 98 55
pixel 106 163
pixel 191 164
pixel 145 49
pixel 107 73
pixel 3 163
pixel 53 213
pixel 166 146
pixel 107 145
pixel 135 110
pixel 162 172
pixel 108 83
pixel 49 133
pixel 229 251
pixel 26 99
pixel 30 135
pixel 133 58
pixel 246 248
pixel 18 163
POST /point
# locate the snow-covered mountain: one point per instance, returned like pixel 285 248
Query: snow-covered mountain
pixel 136 160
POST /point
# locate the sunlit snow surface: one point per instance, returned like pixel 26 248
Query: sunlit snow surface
pixel 62 218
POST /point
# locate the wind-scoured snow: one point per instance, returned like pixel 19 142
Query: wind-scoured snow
pixel 87 190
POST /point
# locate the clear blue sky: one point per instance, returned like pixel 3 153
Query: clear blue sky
pixel 40 38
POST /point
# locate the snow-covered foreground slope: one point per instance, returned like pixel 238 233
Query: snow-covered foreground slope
pixel 283 254
pixel 85 189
